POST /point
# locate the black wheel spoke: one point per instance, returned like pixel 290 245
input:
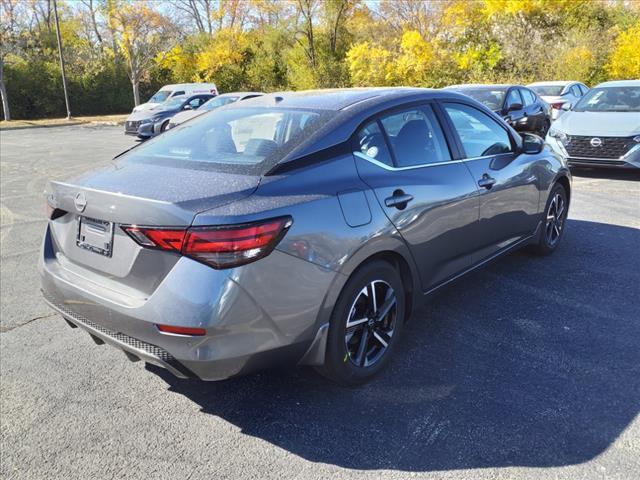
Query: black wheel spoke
pixel 362 348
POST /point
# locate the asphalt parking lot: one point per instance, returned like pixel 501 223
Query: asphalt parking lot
pixel 529 368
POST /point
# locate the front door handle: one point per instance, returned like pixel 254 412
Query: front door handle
pixel 486 182
pixel 399 199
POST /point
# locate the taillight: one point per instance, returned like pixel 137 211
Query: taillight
pixel 221 246
pixel 557 105
pixel 192 331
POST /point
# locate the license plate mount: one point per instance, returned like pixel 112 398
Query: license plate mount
pixel 95 235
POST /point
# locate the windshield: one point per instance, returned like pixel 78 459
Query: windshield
pixel 240 140
pixel 548 90
pixel 173 103
pixel 160 96
pixel 491 98
pixel 610 99
pixel 217 102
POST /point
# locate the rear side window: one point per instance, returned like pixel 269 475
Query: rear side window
pixel 175 94
pixel 528 97
pixel 584 89
pixel 416 137
pixel 576 91
pixel 371 143
pixel 480 134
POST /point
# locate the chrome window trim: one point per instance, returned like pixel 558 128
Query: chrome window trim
pixel 413 167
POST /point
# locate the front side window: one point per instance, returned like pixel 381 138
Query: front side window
pixel 610 99
pixel 236 140
pixel 371 143
pixel 513 98
pixel 416 137
pixel 576 91
pixel 480 134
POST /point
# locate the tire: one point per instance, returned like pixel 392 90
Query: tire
pixel 554 220
pixel 164 126
pixel 356 354
pixel 545 129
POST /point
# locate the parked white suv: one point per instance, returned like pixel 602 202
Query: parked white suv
pixel 559 93
pixel 170 91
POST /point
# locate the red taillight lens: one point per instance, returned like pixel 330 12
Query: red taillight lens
pixel 224 247
pixel 193 331
pixel 557 106
pixel 220 247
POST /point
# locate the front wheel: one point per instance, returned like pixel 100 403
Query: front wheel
pixel 555 218
pixel 365 325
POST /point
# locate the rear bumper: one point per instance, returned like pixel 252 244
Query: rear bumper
pixel 251 323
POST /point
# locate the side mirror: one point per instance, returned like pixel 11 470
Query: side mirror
pixel 514 106
pixel 566 106
pixel 532 144
pixel 187 107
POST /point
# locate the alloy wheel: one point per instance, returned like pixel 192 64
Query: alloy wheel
pixel 555 219
pixel 371 323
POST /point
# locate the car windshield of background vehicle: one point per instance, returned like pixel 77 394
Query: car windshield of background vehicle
pixel 173 103
pixel 160 96
pixel 490 98
pixel 240 140
pixel 610 99
pixel 218 102
pixel 548 90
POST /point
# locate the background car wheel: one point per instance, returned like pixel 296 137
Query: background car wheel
pixel 365 325
pixel 545 128
pixel 164 126
pixel 554 221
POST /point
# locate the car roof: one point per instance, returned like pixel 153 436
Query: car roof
pixel 553 82
pixel 619 83
pixel 239 94
pixel 334 99
pixel 481 86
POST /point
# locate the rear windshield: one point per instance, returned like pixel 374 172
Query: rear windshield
pixel 237 140
pixel 160 96
pixel 490 98
pixel 610 99
pixel 548 90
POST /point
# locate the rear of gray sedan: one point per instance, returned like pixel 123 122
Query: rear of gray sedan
pixel 157 253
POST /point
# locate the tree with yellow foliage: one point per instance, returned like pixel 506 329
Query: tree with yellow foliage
pixel 142 33
pixel 624 62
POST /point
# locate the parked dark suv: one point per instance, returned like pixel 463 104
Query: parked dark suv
pixel 519 106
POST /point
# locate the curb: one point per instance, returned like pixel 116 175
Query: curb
pixel 70 124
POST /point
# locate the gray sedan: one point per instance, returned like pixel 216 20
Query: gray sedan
pixel 295 227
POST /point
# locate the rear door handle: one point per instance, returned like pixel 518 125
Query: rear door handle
pixel 486 182
pixel 399 199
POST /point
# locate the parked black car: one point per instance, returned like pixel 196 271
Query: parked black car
pixel 520 107
pixel 150 122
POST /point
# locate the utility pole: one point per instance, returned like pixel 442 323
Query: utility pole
pixel 64 76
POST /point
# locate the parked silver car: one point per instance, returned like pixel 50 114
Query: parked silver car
pixel 559 93
pixel 300 227
pixel 602 129
pixel 219 101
